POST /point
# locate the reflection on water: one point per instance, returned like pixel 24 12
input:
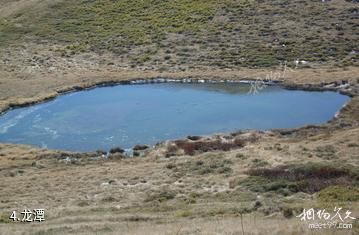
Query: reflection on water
pixel 230 88
pixel 132 114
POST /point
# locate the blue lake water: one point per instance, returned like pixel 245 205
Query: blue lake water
pixel 127 115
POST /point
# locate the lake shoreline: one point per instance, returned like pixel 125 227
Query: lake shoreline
pixel 342 86
pixel 179 180
pixel 249 89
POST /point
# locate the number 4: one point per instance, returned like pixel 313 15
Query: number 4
pixel 13 216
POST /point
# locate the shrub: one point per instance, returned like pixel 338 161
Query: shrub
pixel 191 148
pixel 309 178
pixel 339 194
pixel 300 172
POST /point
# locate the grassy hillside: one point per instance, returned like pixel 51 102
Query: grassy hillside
pixel 218 33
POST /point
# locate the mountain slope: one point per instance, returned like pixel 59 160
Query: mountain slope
pixel 224 34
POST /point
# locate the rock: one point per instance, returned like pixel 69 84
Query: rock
pixel 140 147
pixel 101 152
pixel 194 138
pixel 116 150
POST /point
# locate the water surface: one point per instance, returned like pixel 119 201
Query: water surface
pixel 127 115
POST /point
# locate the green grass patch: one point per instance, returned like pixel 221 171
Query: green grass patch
pixel 107 24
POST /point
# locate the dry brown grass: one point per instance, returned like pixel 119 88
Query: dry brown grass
pixel 143 194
